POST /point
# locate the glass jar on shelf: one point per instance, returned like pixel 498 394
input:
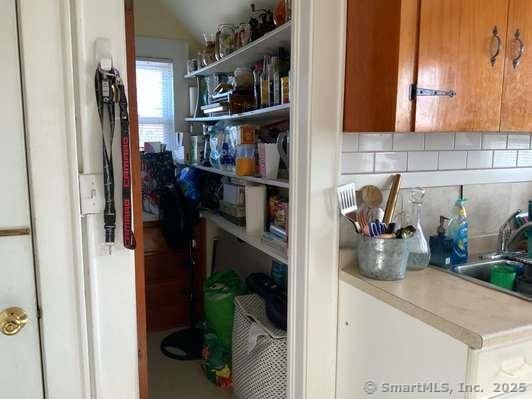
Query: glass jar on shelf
pixel 419 251
pixel 243 35
pixel 208 53
pixel 225 41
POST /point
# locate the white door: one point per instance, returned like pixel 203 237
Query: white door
pixel 20 356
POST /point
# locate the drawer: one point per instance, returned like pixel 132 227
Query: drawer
pixel 503 372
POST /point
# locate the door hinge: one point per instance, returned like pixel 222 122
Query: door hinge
pixel 91 193
pixel 419 91
pixel 39 312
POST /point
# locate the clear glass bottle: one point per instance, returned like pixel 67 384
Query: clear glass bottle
pixel 419 256
pixel 265 83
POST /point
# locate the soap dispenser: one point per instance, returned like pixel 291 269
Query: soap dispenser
pixel 441 246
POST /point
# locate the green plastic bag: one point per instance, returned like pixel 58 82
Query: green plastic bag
pixel 219 292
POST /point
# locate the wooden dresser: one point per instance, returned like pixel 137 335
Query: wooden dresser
pixel 167 279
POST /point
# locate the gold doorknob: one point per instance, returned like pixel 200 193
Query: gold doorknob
pixel 12 320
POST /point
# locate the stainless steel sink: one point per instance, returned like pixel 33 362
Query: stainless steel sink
pixel 479 273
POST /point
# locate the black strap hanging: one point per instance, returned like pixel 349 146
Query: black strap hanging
pixel 110 90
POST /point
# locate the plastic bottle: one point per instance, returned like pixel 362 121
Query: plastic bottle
pixel 458 231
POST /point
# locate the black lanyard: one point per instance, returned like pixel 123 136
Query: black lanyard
pixel 110 90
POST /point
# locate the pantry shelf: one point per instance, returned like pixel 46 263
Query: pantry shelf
pixel 271 113
pixel 249 54
pixel 268 182
pixel 240 232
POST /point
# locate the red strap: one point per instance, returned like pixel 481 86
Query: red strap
pixel 128 236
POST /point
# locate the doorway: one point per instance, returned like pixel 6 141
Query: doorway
pixel 169 118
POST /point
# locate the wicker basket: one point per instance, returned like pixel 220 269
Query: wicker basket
pixel 259 352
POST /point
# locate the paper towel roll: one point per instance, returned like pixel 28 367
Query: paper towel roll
pixel 255 208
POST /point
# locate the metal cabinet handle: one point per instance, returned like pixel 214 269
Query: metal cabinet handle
pixel 497 39
pixel 517 60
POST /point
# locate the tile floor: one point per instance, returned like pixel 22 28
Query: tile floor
pixel 174 379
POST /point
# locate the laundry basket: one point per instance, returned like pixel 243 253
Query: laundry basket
pixel 259 352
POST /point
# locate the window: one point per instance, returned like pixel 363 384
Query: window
pixel 155 97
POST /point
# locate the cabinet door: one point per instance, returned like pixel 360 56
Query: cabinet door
pixel 457 42
pixel 517 97
pixel 381 50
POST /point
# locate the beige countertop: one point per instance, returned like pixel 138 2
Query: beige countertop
pixel 476 315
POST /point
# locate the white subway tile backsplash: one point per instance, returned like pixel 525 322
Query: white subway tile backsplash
pixel 357 162
pixel 491 141
pixel 524 158
pixel 439 141
pixel 467 141
pixel 350 143
pixel 390 161
pixel 423 160
pixel 380 153
pixel 375 142
pixel 452 160
pixel 479 159
pixel 408 141
pixel 504 159
pixel 518 141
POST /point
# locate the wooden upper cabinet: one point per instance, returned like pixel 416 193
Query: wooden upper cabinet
pixel 461 49
pixel 516 114
pixel 380 65
pixel 438 65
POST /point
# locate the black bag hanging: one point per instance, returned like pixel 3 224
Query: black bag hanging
pixel 176 218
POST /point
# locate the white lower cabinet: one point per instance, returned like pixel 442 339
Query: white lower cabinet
pixel 503 372
pixel 385 353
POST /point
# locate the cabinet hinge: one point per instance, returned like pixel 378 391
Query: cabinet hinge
pixel 419 91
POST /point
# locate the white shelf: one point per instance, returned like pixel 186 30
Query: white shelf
pixel 249 54
pixel 240 232
pixel 268 182
pixel 270 113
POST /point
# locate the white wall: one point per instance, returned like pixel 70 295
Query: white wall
pixel 205 15
pixel 110 279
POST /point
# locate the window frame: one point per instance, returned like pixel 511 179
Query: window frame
pixel 170 121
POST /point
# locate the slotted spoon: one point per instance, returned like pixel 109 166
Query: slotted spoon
pixel 347 201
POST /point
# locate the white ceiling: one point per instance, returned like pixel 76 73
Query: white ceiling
pixel 199 16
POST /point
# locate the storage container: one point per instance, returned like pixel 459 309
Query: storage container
pixel 255 208
pixel 259 352
pixel 382 259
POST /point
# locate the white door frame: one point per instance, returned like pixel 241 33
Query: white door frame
pixel 47 88
pixel 318 47
pixel 57 50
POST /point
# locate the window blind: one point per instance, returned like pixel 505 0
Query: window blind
pixel 155 98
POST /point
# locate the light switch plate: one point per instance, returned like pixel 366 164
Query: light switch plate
pixel 91 193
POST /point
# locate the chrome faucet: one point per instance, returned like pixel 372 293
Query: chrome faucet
pixel 526 227
pixel 505 233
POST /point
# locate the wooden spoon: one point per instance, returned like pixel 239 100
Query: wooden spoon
pixel 371 196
